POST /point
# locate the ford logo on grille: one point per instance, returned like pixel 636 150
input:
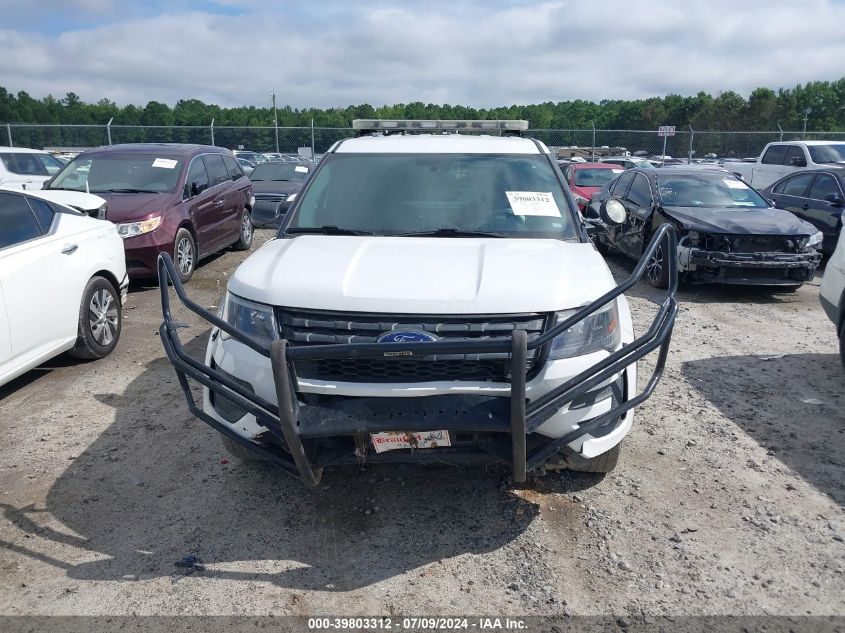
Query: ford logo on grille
pixel 406 337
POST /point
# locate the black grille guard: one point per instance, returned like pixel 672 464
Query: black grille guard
pixel 518 419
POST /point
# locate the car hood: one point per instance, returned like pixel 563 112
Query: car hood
pixel 742 221
pixel 130 207
pixel 75 199
pixel 409 275
pixel 276 186
pixel 585 192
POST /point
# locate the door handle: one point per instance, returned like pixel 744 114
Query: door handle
pixel 218 203
pixel 69 249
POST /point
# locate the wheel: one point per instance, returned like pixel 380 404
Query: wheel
pixel 603 463
pixel 842 343
pixel 656 272
pixel 241 452
pixel 99 320
pixel 185 254
pixel 245 237
pixel 789 289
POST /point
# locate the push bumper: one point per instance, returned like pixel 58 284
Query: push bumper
pixel 507 423
pixel 750 268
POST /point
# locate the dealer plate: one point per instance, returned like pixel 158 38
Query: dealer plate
pixel 393 440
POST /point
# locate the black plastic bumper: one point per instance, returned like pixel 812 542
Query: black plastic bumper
pixel 753 268
pixel 507 422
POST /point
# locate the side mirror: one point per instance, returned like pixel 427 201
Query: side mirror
pixel 613 212
pixel 195 189
pixel 834 199
pixel 798 161
pixel 771 202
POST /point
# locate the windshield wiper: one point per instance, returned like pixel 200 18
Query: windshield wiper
pixel 447 233
pixel 123 190
pixel 325 230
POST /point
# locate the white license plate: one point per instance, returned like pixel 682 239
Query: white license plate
pixel 393 440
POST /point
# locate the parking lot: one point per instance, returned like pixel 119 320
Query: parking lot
pixel 728 498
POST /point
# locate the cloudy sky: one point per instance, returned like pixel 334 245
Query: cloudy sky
pixel 473 52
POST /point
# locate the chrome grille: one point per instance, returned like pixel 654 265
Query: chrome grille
pixel 271 197
pixel 306 327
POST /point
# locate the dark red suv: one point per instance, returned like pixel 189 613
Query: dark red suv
pixel 187 200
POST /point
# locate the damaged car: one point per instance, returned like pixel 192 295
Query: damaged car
pixel 728 233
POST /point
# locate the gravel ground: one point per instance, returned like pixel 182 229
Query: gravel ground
pixel 728 498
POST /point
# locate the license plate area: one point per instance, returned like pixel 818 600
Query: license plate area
pixel 395 440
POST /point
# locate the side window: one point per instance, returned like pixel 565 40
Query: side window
pixel 17 222
pixel 23 164
pixel 824 185
pixel 797 185
pixel 621 184
pixel 198 175
pixel 774 155
pixel 52 165
pixel 640 193
pixel 232 166
pixel 216 169
pixel 795 153
pixel 43 213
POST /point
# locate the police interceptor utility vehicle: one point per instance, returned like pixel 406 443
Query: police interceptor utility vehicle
pixel 431 296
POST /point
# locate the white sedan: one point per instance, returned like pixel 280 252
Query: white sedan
pixel 62 283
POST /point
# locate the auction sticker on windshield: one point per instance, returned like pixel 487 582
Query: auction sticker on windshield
pixel 165 163
pixel 393 440
pixel 533 203
pixel 734 184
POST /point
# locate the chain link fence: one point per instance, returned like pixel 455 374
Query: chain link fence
pixel 685 144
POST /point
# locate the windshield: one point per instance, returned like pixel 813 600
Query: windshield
pixel 827 153
pixel 101 173
pixel 383 194
pixel 707 190
pixel 280 171
pixel 595 177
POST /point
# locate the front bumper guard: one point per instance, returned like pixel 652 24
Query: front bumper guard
pixel 292 425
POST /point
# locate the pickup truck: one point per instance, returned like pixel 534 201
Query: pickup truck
pixel 782 158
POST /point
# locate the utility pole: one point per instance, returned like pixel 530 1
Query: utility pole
pixel 275 121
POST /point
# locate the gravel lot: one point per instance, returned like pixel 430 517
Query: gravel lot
pixel 728 498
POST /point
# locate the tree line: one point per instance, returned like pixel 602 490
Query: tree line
pixel 822 102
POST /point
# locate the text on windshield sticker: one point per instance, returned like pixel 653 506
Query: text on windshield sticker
pixel 301 169
pixel 734 184
pixel 164 163
pixel 533 203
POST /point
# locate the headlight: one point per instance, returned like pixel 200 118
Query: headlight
pixel 255 320
pixel 101 211
pixel 131 229
pixel 599 331
pixel 252 201
pixel 815 239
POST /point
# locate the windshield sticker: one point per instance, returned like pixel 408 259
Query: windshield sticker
pixel 165 163
pixel 301 169
pixel 533 203
pixel 734 184
pixel 617 171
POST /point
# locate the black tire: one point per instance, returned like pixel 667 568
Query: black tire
pixel 657 274
pixel 185 254
pixel 788 289
pixel 603 463
pixel 601 246
pixel 842 343
pixel 99 325
pixel 241 452
pixel 246 232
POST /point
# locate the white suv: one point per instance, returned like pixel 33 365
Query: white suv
pixel 431 297
pixel 23 168
pixel 832 292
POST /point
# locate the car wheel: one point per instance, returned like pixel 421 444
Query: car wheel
pixel 656 272
pixel 241 452
pixel 842 343
pixel 184 254
pixel 245 237
pixel 603 463
pixel 99 320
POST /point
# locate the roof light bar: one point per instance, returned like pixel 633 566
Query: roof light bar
pixel 462 124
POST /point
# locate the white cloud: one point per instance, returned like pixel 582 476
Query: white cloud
pixel 459 53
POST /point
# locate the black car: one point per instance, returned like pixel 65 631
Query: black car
pixel 814 195
pixel 276 184
pixel 727 232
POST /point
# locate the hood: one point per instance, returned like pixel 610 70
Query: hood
pixel 743 221
pixel 585 192
pixel 80 200
pixel 276 186
pixel 413 275
pixel 130 207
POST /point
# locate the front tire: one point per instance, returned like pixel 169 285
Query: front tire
pixel 603 463
pixel 99 324
pixel 184 254
pixel 241 452
pixel 247 231
pixel 842 343
pixel 656 272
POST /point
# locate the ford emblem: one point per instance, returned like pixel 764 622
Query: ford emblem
pixel 406 337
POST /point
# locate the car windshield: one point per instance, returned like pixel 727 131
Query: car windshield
pixel 114 172
pixel 707 190
pixel 279 171
pixel 594 177
pixel 827 153
pixel 388 194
